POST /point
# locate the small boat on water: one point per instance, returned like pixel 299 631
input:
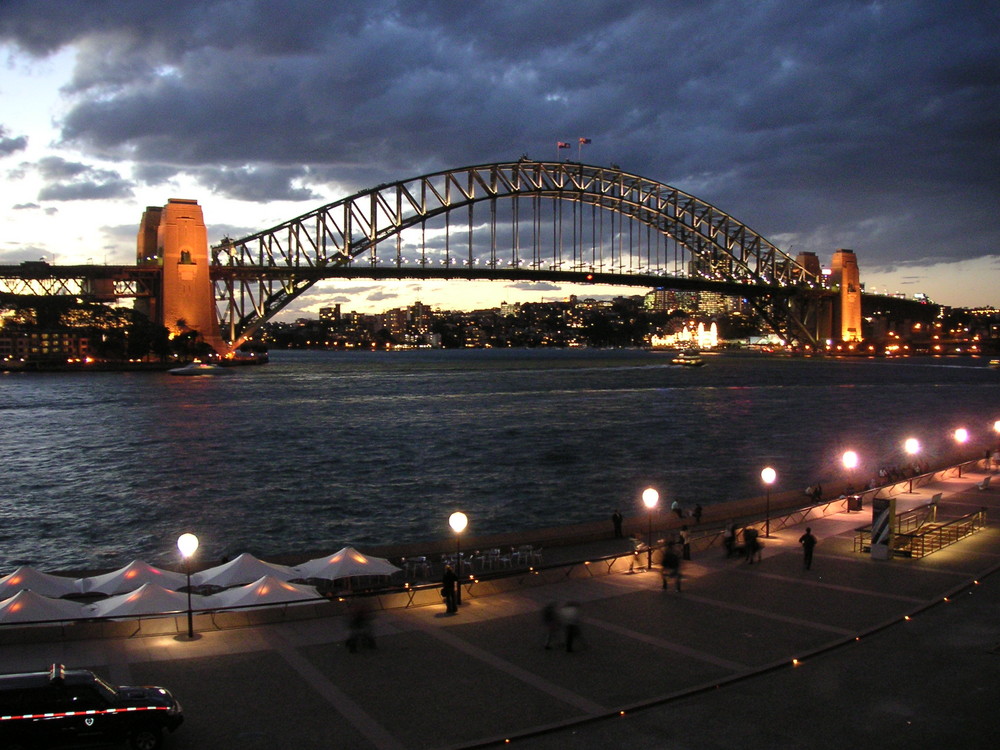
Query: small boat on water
pixel 995 364
pixel 199 368
pixel 688 359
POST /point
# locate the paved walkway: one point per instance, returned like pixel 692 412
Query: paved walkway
pixel 709 667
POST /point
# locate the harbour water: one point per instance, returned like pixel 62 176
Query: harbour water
pixel 318 449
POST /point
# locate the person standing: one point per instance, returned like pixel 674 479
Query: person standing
pixel 808 541
pixel 675 506
pixel 449 583
pixel 616 519
pixel 696 513
pixel 685 542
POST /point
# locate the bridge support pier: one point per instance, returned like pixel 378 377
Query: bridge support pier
pixel 174 238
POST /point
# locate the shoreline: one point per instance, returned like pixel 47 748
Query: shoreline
pixel 714 516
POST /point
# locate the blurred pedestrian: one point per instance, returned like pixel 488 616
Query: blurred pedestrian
pixel 729 538
pixel 675 506
pixel 616 519
pixel 808 541
pixel 685 542
pixel 750 544
pixel 550 617
pixel 360 627
pixel 671 567
pixel 696 513
pixel 570 616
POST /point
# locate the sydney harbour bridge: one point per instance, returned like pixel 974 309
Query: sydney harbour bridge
pixel 562 222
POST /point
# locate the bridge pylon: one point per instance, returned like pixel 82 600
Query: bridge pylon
pixel 174 239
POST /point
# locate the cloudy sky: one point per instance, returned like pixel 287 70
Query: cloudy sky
pixel 868 125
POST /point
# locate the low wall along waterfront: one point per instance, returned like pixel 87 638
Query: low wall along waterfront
pixel 583 550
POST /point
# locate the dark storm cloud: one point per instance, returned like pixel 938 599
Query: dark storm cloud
pixel 534 286
pixel 380 295
pixel 257 184
pixel 15 255
pixel 154 174
pixel 11 144
pixel 823 123
pixel 73 181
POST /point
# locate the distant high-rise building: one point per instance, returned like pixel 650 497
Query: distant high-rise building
pixel 810 262
pixel 712 303
pixel 329 314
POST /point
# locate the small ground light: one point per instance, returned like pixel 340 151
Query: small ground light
pixel 795 662
pixel 906 617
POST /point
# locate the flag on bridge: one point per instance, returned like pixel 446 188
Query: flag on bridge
pixel 562 144
pixel 584 141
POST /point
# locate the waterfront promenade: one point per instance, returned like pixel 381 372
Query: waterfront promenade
pixel 709 667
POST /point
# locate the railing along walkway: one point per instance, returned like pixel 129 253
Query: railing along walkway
pixel 929 538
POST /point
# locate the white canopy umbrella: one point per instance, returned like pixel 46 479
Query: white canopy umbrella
pixel 45 584
pixel 129 578
pixel 27 606
pixel 347 563
pixel 265 590
pixel 244 569
pixel 148 599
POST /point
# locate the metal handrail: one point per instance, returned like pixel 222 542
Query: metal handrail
pixel 939 537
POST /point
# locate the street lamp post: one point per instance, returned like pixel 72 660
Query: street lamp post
pixel 768 475
pixel 650 498
pixel 188 545
pixel 912 447
pixel 961 436
pixel 458 521
pixel 850 460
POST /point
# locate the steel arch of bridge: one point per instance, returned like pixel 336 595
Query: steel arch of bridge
pixel 363 235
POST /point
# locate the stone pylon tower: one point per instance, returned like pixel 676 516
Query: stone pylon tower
pixel 175 239
pixel 846 275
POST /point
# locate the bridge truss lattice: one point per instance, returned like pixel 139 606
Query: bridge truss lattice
pixel 526 220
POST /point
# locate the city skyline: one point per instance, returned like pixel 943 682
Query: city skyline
pixel 830 125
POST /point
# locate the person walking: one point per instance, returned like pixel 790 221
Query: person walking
pixel 671 567
pixel 685 542
pixel 449 583
pixel 808 541
pixel 696 513
pixel 616 519
pixel 675 506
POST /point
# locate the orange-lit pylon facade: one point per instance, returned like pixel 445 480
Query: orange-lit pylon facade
pixel 846 275
pixel 175 239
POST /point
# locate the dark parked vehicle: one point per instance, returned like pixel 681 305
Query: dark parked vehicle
pixel 72 707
